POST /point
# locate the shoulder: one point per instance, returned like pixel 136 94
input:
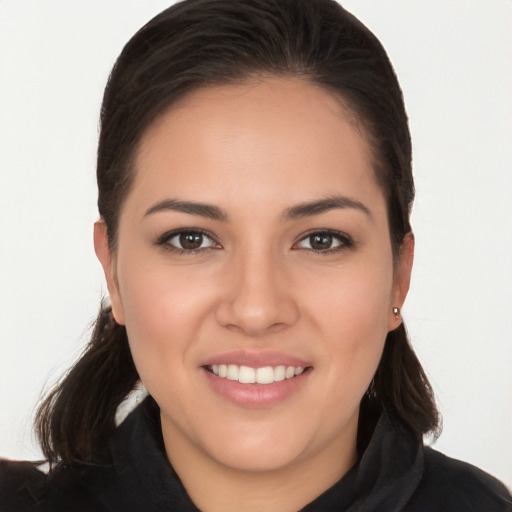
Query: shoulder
pixel 21 486
pixel 25 488
pixel 452 485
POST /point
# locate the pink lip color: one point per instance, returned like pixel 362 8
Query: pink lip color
pixel 255 359
pixel 255 396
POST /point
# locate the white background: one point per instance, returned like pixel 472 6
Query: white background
pixel 454 62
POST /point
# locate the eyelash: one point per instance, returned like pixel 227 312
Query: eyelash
pixel 344 240
pixel 166 237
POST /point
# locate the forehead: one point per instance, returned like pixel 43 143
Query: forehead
pixel 256 140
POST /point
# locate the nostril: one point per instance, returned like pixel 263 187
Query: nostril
pixel 253 319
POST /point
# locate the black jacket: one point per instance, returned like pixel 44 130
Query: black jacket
pixel 395 473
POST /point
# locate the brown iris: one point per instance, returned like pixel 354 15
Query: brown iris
pixel 321 241
pixel 191 241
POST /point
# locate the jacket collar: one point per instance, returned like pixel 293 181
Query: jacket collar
pixel 384 478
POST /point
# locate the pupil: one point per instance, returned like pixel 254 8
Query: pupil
pixel 191 241
pixel 320 242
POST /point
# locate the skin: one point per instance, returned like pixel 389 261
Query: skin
pixel 255 151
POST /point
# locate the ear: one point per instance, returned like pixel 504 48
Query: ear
pixel 103 253
pixel 401 280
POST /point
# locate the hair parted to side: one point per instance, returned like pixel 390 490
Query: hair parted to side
pixel 200 43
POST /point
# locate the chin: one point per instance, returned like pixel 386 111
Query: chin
pixel 265 446
pixel 259 457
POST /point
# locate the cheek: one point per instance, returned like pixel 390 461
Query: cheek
pixel 163 309
pixel 356 299
pixel 352 315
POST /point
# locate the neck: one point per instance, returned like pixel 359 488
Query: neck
pixel 214 487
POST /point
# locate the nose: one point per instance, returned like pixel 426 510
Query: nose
pixel 258 298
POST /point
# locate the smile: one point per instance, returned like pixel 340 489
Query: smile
pixel 248 375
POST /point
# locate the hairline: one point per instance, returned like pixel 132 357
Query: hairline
pixel 356 119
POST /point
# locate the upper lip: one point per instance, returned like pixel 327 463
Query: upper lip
pixel 255 359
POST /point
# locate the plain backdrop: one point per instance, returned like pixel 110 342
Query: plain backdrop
pixel 453 59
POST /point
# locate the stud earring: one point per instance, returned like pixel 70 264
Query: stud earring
pixel 396 311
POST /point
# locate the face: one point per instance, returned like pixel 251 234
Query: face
pixel 254 274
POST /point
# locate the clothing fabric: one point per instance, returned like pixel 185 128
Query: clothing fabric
pixel 395 474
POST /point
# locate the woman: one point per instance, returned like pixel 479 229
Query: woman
pixel 254 190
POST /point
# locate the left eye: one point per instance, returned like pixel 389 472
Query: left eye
pixel 190 241
pixel 324 241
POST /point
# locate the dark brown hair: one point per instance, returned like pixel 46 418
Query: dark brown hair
pixel 200 43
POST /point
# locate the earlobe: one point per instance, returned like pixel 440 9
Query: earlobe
pixel 104 255
pixel 402 280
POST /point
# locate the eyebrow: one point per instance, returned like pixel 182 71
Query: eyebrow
pixel 307 209
pixel 201 209
pixel 312 208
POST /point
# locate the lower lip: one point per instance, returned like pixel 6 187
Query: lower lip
pixel 256 395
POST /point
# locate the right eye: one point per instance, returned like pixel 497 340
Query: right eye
pixel 188 241
pixel 325 242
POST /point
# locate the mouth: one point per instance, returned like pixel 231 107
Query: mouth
pixel 261 375
pixel 256 379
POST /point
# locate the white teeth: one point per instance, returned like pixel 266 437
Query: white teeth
pixel 279 373
pixel 233 372
pixel 247 375
pixel 263 375
pixel 290 372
